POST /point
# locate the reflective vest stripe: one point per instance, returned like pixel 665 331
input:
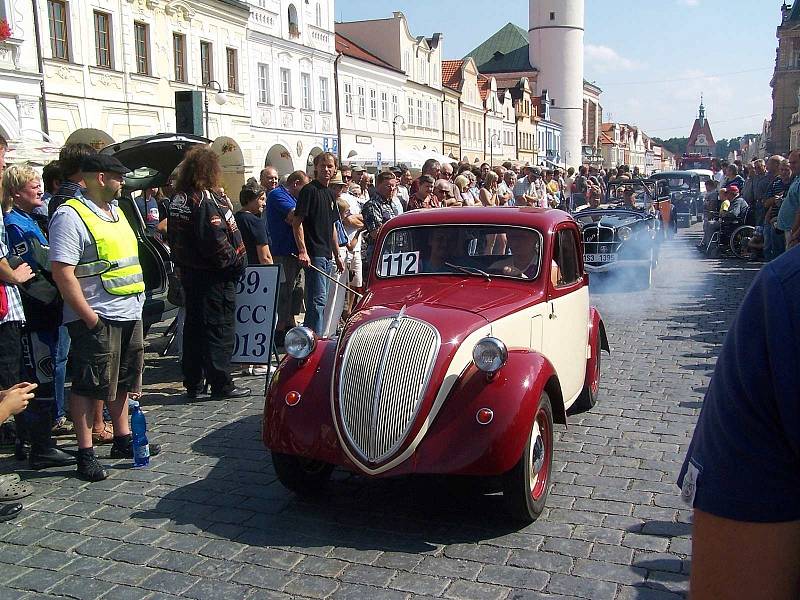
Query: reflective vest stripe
pixel 117 264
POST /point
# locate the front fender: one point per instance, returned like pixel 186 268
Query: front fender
pixel 457 444
pixel 597 339
pixel 307 428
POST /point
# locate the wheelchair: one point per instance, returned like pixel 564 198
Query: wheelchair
pixel 733 236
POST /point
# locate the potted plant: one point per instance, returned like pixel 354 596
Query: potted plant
pixel 5 30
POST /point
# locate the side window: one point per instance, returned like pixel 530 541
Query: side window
pixel 566 258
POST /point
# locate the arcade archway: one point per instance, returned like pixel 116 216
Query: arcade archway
pixel 281 159
pixel 231 159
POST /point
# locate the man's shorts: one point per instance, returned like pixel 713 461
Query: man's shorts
pixel 107 359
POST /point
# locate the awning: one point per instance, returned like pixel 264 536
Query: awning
pixel 35 152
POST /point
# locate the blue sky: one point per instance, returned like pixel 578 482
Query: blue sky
pixel 652 58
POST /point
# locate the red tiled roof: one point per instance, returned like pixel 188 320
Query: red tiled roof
pixel 349 48
pixel 484 86
pixel 605 139
pixel 451 73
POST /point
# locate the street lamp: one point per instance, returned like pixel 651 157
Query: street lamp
pixel 491 148
pixel 394 134
pixel 220 98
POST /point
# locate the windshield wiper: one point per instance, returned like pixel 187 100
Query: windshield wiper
pixel 469 270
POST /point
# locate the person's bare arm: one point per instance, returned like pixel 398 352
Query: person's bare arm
pixel 16 276
pixel 737 560
pixel 300 240
pixel 70 288
pixel 264 255
pixel 15 399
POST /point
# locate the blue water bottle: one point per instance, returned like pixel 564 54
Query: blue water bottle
pixel 141 449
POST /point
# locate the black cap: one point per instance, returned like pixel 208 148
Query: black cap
pixel 103 163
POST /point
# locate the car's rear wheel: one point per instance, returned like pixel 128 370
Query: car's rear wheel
pixel 304 476
pixel 526 485
pixel 591 388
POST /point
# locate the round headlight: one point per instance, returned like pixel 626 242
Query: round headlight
pixel 624 233
pixel 489 354
pixel 300 342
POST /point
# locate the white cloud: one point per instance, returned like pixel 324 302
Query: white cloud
pixel 604 59
pixel 689 2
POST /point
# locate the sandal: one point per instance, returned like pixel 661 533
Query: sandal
pixel 105 436
pixel 10 511
pixel 14 490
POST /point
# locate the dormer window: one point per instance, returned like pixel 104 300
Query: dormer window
pixel 294 23
pixel 552 16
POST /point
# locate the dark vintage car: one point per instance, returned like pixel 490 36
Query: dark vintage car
pixel 152 159
pixel 686 194
pixel 622 237
pixel 474 337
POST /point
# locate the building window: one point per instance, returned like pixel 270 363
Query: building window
pixel 395 106
pixel 348 99
pixel 263 84
pixel 324 103
pixel 294 24
pixel 179 56
pixel 373 105
pixel 552 16
pixel 286 87
pixel 141 44
pixel 384 106
pixel 419 113
pixel 319 15
pixel 362 100
pixel 59 34
pixel 102 39
pixel 305 89
pixel 428 115
pixel 410 111
pixel 232 61
pixel 206 63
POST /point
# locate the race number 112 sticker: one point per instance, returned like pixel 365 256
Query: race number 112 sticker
pixel 401 263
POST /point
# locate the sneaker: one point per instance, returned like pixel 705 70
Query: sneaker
pixel 89 469
pixel 127 451
pixel 259 370
pixel 63 426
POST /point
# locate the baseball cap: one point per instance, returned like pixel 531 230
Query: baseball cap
pixel 733 188
pixel 103 163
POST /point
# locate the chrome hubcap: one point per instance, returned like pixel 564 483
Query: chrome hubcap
pixel 537 454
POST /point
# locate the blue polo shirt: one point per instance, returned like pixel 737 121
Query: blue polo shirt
pixel 279 204
pixel 744 459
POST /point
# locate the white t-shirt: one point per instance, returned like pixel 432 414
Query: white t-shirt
pixel 355 209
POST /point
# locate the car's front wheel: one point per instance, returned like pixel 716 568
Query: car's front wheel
pixel 526 485
pixel 304 476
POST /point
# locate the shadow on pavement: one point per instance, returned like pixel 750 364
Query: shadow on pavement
pixel 240 499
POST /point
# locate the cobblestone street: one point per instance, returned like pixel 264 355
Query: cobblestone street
pixel 208 519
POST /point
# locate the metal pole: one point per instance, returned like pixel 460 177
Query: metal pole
pixel 334 280
pixel 205 104
pixel 394 141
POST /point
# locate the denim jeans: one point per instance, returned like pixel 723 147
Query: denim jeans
pixel 317 294
pixel 60 371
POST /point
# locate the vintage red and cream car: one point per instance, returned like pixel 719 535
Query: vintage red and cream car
pixel 474 337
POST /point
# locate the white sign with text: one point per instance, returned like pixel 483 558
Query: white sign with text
pixel 256 304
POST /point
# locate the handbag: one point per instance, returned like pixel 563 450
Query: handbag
pixel 341 234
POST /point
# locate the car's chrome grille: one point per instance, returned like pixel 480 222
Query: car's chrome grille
pixel 599 239
pixel 385 371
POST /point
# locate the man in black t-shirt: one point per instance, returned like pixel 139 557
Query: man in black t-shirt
pixel 314 225
pixel 251 225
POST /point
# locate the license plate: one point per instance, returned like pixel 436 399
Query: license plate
pixel 599 258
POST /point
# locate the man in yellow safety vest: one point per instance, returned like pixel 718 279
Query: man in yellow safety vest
pixel 95 261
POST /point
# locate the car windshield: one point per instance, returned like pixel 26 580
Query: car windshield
pixel 640 197
pixel 481 250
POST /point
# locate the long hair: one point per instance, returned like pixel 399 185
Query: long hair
pixel 200 170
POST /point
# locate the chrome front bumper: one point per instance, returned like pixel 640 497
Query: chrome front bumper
pixel 618 264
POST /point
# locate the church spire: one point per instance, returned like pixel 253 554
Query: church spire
pixel 702 111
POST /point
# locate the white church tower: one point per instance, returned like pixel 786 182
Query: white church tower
pixel 556 50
